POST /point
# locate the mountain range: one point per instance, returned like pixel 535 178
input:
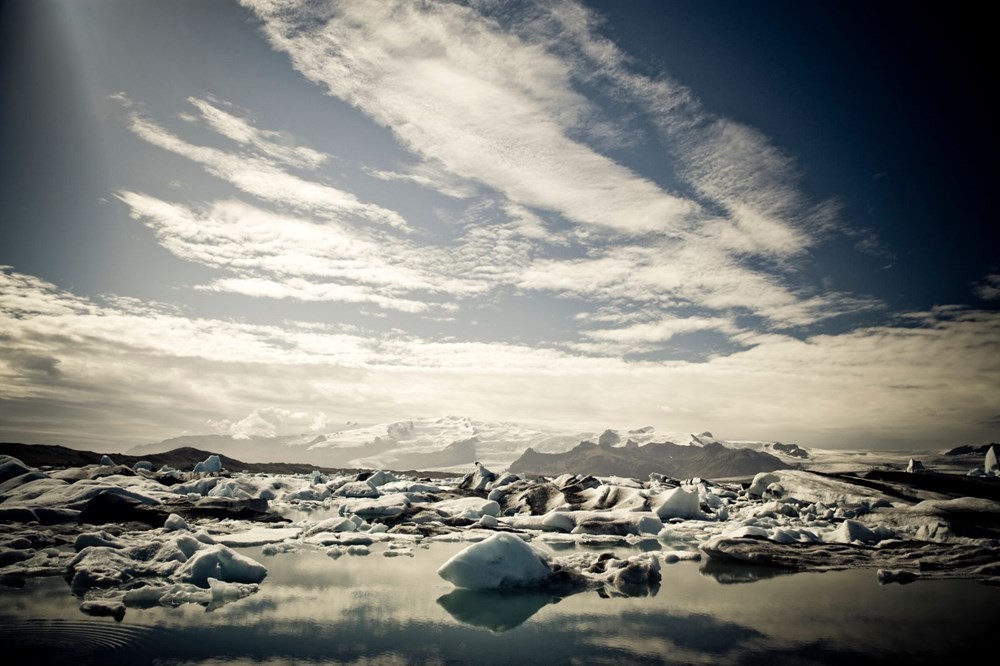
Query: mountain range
pixel 452 443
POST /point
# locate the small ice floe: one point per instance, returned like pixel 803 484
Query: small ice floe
pixel 477 480
pixel 211 465
pixel 258 536
pixel 678 503
pixel 104 608
pixel 175 523
pixel 915 466
pixel 990 465
pixel 851 531
pixel 221 563
pixel 471 508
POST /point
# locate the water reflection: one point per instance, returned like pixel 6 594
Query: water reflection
pixel 496 610
pixel 729 573
pixel 313 608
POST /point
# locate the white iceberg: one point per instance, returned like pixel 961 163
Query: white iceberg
pixel 501 561
pixel 678 503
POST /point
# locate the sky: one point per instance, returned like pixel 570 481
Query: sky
pixel 770 220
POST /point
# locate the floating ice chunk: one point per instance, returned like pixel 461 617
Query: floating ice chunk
pixel 478 480
pixel 271 549
pixel 224 592
pixel 553 521
pixel 210 465
pixel 358 550
pixel 198 486
pixel 760 483
pixel 746 531
pixel 380 478
pixel 104 608
pixel 143 465
pixel 472 508
pixel 488 521
pixel 362 489
pixel 675 556
pixel 990 465
pixel 101 538
pixel 258 536
pixel 678 503
pixel 615 523
pixel 505 480
pixel 104 567
pixel 914 466
pixel 501 561
pixel 223 489
pixel 851 531
pixel 175 523
pixel 106 461
pixel 220 562
pixel 901 576
pixel 385 506
pixel 409 487
pixel 608 496
pixel 336 552
pixel 333 525
pixel 398 552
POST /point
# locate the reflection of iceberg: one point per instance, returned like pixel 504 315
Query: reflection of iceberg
pixel 496 610
pixel 729 572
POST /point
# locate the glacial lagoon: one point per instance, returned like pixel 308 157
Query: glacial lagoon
pixel 375 609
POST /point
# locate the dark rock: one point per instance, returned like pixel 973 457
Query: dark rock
pixel 108 508
pixel 969 449
pixel 49 516
pixel 20 480
pixel 17 514
pixel 11 467
pixel 608 439
pixel 793 450
pixel 255 509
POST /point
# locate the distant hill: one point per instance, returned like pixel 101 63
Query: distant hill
pixel 969 449
pixel 184 458
pixel 711 461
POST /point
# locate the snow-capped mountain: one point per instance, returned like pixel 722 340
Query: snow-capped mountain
pixel 438 443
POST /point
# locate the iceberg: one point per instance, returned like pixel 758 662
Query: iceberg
pixel 501 561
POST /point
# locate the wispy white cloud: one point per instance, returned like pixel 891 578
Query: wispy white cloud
pixel 279 256
pixel 494 92
pixel 426 175
pixel 261 172
pixel 455 89
pixel 663 329
pixel 280 145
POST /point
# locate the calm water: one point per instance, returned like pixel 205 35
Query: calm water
pixel 377 610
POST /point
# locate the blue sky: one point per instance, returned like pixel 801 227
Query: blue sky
pixel 770 220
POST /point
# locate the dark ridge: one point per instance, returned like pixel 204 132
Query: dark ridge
pixel 712 461
pixel 184 458
pixel 969 449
